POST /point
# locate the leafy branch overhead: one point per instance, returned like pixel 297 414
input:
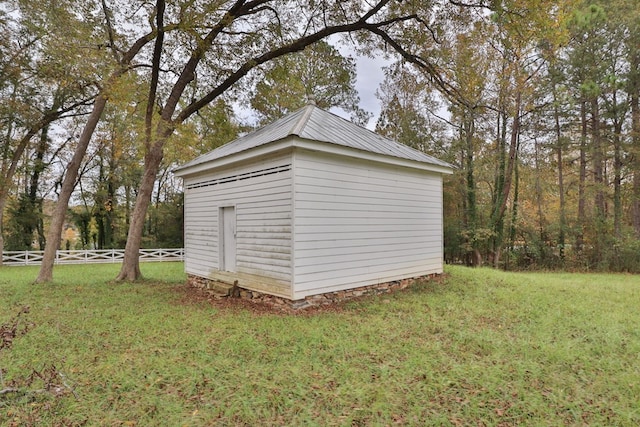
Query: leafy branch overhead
pixel 317 28
pixel 320 72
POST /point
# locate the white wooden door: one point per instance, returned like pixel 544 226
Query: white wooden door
pixel 228 239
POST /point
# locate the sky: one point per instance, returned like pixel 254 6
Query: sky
pixel 369 76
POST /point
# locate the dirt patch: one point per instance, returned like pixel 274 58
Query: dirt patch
pixel 189 295
pixel 334 302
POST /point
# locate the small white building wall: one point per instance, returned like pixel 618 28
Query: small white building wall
pixel 359 223
pixel 263 205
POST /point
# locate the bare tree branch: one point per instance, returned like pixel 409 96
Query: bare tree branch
pixel 155 70
pixel 110 33
pixel 188 72
pixel 482 4
pixel 445 87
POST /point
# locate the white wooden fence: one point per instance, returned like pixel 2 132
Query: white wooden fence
pixel 90 256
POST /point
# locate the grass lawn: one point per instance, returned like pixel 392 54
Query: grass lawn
pixel 480 347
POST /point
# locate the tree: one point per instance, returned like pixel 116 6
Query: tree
pixel 559 101
pixel 318 72
pixel 525 37
pixel 409 112
pixel 629 15
pixel 586 74
pixel 123 59
pixel 487 67
pixel 545 128
pixel 36 90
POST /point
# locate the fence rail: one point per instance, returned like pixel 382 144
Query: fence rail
pixel 98 256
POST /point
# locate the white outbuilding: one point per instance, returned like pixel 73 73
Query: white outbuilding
pixel 313 204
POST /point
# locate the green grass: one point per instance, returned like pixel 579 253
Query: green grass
pixel 480 347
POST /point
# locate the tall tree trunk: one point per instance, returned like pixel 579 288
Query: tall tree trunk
pixel 617 178
pixel 32 190
pixel 539 199
pixel 514 207
pixel 100 205
pixel 598 180
pixel 130 269
pixel 1 237
pixel 68 184
pixel 499 182
pixel 500 206
pixel 38 166
pixel 6 179
pixel 111 197
pixel 471 205
pixel 559 159
pixel 635 142
pixel 598 160
pixel 513 154
pixel 582 178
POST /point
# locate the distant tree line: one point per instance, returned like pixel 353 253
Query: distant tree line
pixel 537 104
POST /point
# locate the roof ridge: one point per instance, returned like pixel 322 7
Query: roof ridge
pixel 302 121
pixel 395 144
pixel 313 123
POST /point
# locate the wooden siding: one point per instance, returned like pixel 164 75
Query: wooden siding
pixel 359 223
pixel 263 223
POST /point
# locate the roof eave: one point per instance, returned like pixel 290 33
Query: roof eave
pixel 369 155
pixel 260 151
pixel 321 146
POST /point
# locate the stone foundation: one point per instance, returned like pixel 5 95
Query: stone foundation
pixel 313 300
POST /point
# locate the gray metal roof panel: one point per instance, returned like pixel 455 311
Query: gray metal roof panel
pixel 273 132
pixel 316 124
pixel 327 127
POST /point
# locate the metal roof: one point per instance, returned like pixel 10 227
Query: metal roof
pixel 313 123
